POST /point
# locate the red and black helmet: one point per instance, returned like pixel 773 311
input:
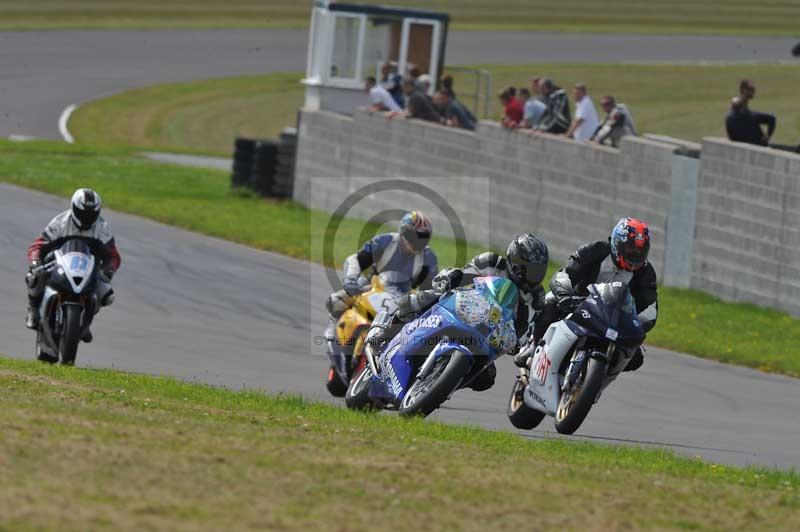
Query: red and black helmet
pixel 630 244
pixel 415 231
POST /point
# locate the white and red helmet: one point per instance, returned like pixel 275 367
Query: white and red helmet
pixel 415 231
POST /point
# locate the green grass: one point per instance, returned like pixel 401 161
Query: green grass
pixel 201 200
pixel 88 449
pixel 687 102
pixel 766 17
pixel 202 116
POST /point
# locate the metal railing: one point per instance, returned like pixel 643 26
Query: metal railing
pixel 481 92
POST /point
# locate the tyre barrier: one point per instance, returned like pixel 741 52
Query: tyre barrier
pixel 266 166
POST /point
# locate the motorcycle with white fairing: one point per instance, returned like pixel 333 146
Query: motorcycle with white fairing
pixel 71 274
pixel 577 358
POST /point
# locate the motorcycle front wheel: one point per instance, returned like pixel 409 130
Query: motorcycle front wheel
pixel 357 395
pixel 429 392
pixel 71 334
pixel 574 406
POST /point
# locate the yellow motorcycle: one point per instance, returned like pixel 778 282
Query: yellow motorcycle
pixel 346 352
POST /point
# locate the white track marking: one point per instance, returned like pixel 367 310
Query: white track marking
pixel 62 123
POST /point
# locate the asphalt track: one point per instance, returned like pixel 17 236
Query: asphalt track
pixel 43 72
pixel 208 310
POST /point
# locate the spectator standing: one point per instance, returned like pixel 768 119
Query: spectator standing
pixel 556 117
pixel 534 107
pixel 617 124
pixel 744 125
pixel 513 109
pixel 453 112
pixel 419 105
pixel 379 98
pixel 447 85
pixel 424 83
pixel 393 83
pixel 586 121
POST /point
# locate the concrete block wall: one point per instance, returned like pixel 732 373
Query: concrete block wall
pixel 747 239
pixel 500 182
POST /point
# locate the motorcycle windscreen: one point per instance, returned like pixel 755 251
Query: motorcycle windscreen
pixel 490 308
pixel 76 245
pixel 609 312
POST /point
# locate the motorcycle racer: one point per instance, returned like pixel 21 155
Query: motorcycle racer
pixel 81 220
pixel 623 257
pixel 405 258
pixel 525 264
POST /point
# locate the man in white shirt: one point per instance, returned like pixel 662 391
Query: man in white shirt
pixel 379 98
pixel 586 121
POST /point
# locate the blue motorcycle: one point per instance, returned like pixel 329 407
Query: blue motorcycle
pixel 443 350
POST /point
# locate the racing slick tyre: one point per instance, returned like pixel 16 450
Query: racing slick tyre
pixel 71 336
pixel 357 394
pixel 429 392
pixel 575 405
pixel 335 385
pixel 519 414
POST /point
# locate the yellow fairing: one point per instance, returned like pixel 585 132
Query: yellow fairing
pixel 355 321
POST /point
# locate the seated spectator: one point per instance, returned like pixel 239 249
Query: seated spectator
pixel 534 107
pixel 446 83
pixel 419 105
pixel 556 117
pixel 617 123
pixel 393 83
pixel 379 98
pixel 453 112
pixel 744 125
pixel 586 122
pixel 513 109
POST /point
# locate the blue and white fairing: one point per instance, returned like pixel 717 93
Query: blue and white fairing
pixel 478 321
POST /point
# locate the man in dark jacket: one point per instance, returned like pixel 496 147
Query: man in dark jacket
pixel 556 118
pixel 622 258
pixel 745 125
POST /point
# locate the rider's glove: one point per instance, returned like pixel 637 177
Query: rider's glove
pixel 446 280
pixel 567 305
pixel 352 286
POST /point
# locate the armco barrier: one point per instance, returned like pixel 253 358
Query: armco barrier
pixel 565 191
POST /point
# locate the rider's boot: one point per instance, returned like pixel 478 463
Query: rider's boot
pixel 486 379
pixel 636 360
pixel 32 316
pixel 87 337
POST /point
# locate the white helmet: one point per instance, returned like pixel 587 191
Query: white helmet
pixel 86 204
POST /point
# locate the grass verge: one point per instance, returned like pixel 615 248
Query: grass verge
pixel 684 101
pixel 201 200
pixel 100 449
pixel 633 16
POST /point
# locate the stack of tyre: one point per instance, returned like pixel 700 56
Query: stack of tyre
pixel 266 166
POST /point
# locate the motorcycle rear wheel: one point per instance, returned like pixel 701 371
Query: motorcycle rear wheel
pixel 428 393
pixel 71 335
pixel 357 395
pixel 572 410
pixel 521 415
